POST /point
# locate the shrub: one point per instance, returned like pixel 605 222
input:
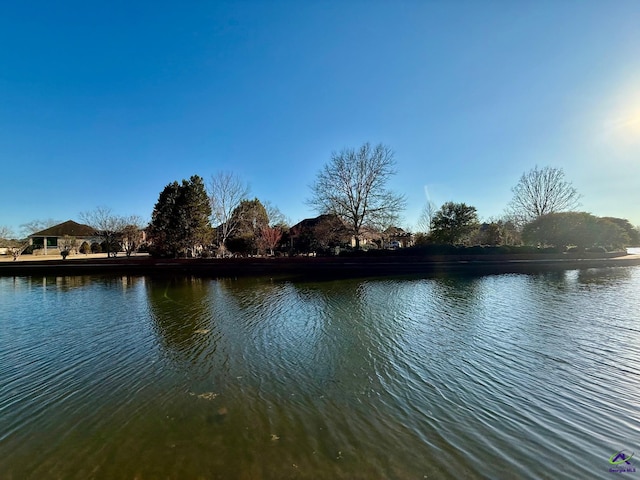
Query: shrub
pixel 114 247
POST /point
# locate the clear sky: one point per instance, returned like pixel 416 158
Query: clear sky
pixel 104 103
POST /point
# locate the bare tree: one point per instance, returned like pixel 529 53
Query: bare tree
pixel 226 190
pixel 275 216
pixel 108 227
pixel 426 217
pixel 14 247
pixel 67 244
pixel 541 191
pixel 131 238
pixel 353 186
pixel 17 248
pixel 5 233
pixel 37 225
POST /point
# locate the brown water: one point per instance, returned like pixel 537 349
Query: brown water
pixel 506 376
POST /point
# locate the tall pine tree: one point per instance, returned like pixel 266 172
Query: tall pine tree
pixel 249 217
pixel 180 221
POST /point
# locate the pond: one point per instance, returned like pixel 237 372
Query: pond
pixel 502 376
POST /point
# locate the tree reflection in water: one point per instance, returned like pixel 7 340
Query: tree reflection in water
pixel 181 313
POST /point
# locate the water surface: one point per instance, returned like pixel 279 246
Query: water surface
pixel 504 376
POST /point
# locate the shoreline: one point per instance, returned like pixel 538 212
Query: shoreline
pixel 314 267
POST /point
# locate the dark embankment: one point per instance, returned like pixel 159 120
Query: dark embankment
pixel 321 267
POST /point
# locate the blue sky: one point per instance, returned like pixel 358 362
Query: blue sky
pixel 104 103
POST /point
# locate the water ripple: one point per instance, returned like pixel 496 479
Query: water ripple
pixel 505 376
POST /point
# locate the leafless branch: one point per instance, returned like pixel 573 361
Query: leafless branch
pixel 5 233
pixel 276 217
pixel 353 186
pixel 541 191
pixel 37 225
pixel 426 217
pixel 108 226
pixel 226 190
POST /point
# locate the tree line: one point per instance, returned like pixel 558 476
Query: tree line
pixel 542 212
pixel 350 193
pixel 196 220
pixel 352 198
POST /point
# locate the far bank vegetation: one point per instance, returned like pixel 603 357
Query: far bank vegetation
pixel 357 212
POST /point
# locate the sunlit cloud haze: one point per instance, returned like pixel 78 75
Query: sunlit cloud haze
pixel 106 103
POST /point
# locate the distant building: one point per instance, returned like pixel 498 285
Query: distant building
pixel 320 233
pixel 396 237
pixel 46 241
pixel 308 224
pixel 328 231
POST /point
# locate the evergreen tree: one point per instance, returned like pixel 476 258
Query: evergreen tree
pixel 453 223
pixel 632 233
pixel 194 209
pixel 579 229
pixel 162 230
pixel 180 220
pixel 250 217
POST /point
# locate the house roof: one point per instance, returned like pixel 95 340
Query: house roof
pixel 71 228
pixel 396 232
pixel 309 223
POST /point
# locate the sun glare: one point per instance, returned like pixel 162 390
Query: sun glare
pixel 627 127
pixel 621 137
pixel 621 127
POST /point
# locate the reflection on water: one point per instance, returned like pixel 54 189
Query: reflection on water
pixel 504 376
pixel 64 283
pixel 181 312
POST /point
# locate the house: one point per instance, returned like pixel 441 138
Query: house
pixel 329 231
pixel 319 233
pixel 369 237
pixel 50 239
pixel 396 237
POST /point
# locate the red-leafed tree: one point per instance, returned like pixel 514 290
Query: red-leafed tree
pixel 270 237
